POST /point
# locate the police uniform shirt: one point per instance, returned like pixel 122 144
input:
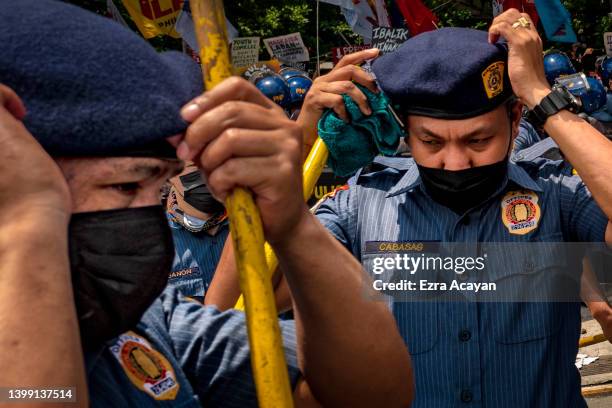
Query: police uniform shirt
pixel 485 354
pixel 181 354
pixel 196 256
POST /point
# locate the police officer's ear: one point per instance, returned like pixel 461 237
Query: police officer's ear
pixel 515 109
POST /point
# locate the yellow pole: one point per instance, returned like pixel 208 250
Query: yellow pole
pixel 313 167
pixel 267 357
pixel 590 340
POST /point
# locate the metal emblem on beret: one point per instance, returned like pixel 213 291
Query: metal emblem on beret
pixel 146 368
pixel 493 79
pixel 520 211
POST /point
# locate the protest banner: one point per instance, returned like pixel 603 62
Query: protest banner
pixel 608 43
pixel 287 48
pixel 245 51
pixel 387 39
pixel 339 52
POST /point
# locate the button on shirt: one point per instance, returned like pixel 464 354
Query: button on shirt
pixel 196 256
pixel 482 354
pixel 181 354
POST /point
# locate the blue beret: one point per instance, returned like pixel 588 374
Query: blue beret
pixel 450 73
pixel 91 86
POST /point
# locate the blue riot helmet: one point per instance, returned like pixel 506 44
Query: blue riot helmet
pixel 298 86
pixel 592 94
pixel 605 71
pixel 595 97
pixel 289 72
pixel 557 64
pixel 274 87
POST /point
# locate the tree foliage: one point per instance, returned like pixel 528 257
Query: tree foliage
pixel 267 18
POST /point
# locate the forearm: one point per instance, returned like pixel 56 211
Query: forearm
pixel 344 335
pixel 589 152
pixel 224 290
pixel 39 335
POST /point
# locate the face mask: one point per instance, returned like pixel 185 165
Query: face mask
pixel 197 195
pixel 119 261
pixel 463 189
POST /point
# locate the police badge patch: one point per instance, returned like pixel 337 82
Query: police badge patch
pixel 493 79
pixel 146 368
pixel 520 211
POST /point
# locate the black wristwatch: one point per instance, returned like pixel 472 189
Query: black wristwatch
pixel 560 98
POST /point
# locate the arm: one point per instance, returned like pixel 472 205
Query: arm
pixel 593 296
pixel 589 151
pixel 333 306
pixel 333 313
pixel 325 93
pixel 224 289
pixel 39 334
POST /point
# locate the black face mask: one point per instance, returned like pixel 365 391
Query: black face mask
pixel 119 261
pixel 197 195
pixel 463 189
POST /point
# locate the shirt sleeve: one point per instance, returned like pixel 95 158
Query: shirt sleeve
pixel 583 220
pixel 527 136
pixel 337 213
pixel 213 351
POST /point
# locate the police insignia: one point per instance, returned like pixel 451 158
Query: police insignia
pixel 493 79
pixel 520 211
pixel 146 368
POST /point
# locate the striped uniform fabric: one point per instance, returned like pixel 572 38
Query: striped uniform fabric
pixel 476 353
pixel 527 136
pixel 195 258
pixel 207 350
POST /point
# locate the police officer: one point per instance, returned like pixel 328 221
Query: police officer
pixel 86 247
pixel 455 88
pixel 199 229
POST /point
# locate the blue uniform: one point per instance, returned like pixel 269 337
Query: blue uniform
pixel 196 256
pixel 181 354
pixel 527 136
pixel 485 354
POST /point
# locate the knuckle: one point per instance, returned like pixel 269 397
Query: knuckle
pixel 347 86
pixel 232 136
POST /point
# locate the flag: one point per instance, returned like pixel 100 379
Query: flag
pixel 382 15
pixel 359 15
pixel 524 6
pixel 418 17
pixel 185 27
pixel 556 21
pixel 154 17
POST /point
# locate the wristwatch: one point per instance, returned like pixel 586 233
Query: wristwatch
pixel 560 98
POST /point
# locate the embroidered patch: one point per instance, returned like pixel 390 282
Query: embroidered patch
pixel 325 196
pixel 520 211
pixel 187 272
pixel 493 79
pixel 147 368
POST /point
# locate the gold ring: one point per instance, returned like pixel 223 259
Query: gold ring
pixel 521 22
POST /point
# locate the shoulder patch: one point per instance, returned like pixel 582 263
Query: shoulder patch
pixel 520 211
pixel 146 367
pixel 331 194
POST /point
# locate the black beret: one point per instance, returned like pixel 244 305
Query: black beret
pixel 451 73
pixel 91 86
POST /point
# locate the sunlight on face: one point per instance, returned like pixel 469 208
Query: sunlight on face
pixel 464 143
pixel 98 184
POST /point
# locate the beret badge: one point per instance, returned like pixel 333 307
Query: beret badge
pixel 492 78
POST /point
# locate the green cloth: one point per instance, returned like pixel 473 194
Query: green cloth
pixel 355 144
